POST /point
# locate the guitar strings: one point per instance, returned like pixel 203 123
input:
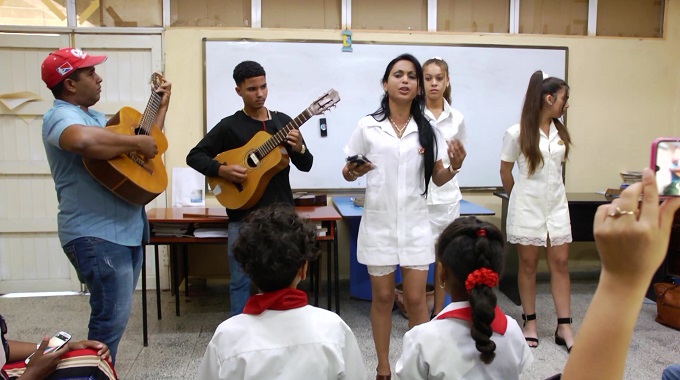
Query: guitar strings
pixel 280 136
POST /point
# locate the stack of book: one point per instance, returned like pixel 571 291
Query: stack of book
pixel 630 177
pixel 170 229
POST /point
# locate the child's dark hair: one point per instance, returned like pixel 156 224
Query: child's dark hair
pixel 247 69
pixel 466 245
pixel 426 135
pixel 274 242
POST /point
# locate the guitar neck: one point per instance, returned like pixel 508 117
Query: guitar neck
pixel 279 137
pixel 150 113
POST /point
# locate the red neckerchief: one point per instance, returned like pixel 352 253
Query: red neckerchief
pixel 283 299
pixel 499 324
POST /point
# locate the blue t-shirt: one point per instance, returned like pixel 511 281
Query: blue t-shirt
pixel 86 208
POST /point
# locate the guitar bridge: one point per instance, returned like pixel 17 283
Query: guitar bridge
pixel 139 161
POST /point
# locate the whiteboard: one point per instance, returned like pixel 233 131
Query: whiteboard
pixel 488 86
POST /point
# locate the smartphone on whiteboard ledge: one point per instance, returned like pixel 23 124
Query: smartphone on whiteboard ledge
pixel 666 165
pixel 56 342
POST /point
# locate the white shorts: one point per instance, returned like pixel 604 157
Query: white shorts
pixel 441 216
pixel 383 270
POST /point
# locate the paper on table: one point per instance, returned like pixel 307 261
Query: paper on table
pixel 15 99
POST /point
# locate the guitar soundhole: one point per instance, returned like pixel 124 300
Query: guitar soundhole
pixel 140 131
pixel 252 161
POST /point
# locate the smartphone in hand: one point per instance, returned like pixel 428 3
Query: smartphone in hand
pixel 56 342
pixel 665 162
pixel 358 159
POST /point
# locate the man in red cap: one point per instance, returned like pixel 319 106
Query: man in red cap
pixel 100 233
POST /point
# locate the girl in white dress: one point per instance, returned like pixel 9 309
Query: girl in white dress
pixel 471 338
pixel 395 228
pixel 443 202
pixel 538 213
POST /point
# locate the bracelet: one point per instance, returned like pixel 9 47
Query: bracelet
pixel 453 171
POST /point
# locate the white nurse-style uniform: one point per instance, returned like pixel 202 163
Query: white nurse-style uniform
pixel 395 227
pixel 538 207
pixel 444 202
pixel 303 343
pixel 444 349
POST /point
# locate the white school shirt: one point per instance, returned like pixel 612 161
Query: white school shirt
pixel 538 205
pixel 303 343
pixel 395 227
pixel 450 124
pixel 444 349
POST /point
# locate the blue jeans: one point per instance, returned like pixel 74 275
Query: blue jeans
pixel 239 285
pixel 671 372
pixel 110 272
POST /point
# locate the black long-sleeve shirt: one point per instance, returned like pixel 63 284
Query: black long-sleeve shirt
pixel 235 131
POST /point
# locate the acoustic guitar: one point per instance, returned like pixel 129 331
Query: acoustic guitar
pixel 132 176
pixel 262 156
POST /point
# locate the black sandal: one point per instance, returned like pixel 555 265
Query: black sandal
pixel 527 318
pixel 558 339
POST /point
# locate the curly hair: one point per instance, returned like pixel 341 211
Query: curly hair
pixel 273 243
pixel 462 250
pixel 247 69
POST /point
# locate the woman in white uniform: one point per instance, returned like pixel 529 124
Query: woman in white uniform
pixel 443 202
pixel 538 213
pixel 395 228
pixel 471 338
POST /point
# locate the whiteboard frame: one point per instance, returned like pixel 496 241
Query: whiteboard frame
pixel 359 186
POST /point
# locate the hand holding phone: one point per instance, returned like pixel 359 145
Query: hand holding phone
pixel 55 343
pixel 665 163
pixel 358 159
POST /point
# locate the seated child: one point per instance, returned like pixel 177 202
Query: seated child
pixel 471 338
pixel 87 359
pixel 279 336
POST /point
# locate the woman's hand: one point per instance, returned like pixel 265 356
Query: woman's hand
pixel 41 364
pixel 633 242
pixel 103 350
pixel 456 152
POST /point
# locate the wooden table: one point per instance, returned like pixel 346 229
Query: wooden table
pixel 217 217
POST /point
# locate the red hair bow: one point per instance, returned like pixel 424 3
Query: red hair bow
pixel 482 276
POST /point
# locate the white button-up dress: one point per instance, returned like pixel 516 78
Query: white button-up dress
pixel 444 202
pixel 443 349
pixel 538 206
pixel 395 227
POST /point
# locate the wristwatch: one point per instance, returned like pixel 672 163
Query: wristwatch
pixel 303 149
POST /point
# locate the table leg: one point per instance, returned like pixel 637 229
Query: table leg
pixel 508 282
pixel 144 322
pixel 317 279
pixel 185 252
pixel 158 283
pixel 175 285
pixel 329 276
pixel 336 278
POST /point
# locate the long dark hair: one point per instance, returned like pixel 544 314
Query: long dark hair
pixel 445 68
pixel 426 134
pixel 531 112
pixel 462 249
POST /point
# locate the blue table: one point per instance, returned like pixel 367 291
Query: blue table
pixel 360 282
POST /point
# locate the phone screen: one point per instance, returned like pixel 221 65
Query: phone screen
pixel 667 167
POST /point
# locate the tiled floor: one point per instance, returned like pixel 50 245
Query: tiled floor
pixel 176 344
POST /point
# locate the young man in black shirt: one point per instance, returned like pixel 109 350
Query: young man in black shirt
pixel 233 132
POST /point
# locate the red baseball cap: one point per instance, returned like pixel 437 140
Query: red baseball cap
pixel 63 62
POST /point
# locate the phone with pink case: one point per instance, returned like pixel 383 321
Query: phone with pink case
pixel 665 163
